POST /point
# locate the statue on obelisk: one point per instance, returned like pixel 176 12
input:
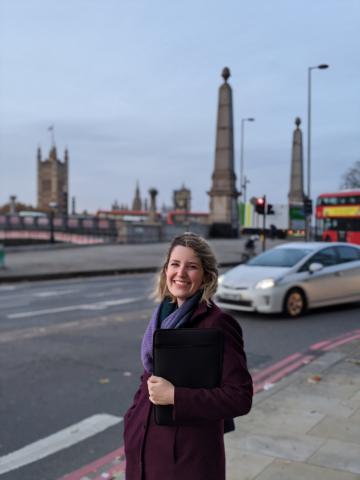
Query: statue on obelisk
pixel 224 221
pixel 296 193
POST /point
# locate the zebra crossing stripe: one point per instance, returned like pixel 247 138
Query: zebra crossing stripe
pixel 58 441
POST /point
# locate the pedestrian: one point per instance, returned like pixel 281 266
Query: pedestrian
pixel 192 449
pixel 273 231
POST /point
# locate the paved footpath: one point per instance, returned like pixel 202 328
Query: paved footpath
pixel 304 427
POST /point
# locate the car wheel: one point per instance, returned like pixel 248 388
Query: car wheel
pixel 294 303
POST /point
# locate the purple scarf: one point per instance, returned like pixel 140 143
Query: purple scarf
pixel 176 319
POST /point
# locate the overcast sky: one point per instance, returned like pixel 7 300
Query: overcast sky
pixel 132 89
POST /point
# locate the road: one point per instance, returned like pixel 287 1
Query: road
pixel 69 350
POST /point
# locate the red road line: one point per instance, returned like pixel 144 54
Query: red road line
pixel 92 467
pixel 120 467
pixel 341 342
pixel 320 345
pixel 325 343
pixel 262 373
pixel 283 372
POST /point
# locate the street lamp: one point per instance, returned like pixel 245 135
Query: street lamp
pixel 52 206
pixel 322 66
pixel 246 181
pixel 243 120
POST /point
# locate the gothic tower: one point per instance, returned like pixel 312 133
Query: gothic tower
pixel 223 194
pixel 137 203
pixel 52 182
pixel 182 199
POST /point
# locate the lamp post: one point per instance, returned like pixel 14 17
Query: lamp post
pixel 246 181
pixel 52 206
pixel 242 182
pixel 243 120
pixel 322 66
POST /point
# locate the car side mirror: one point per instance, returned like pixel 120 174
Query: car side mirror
pixel 315 267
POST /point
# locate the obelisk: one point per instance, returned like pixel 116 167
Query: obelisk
pixel 296 193
pixel 223 218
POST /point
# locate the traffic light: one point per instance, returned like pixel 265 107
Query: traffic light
pixel 308 208
pixel 260 205
pixel 270 209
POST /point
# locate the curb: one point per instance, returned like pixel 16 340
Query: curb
pixel 88 273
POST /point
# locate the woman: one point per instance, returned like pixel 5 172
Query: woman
pixel 194 448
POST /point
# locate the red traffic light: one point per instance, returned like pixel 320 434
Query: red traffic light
pixel 260 205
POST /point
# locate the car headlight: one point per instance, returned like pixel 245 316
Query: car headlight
pixel 266 283
pixel 220 279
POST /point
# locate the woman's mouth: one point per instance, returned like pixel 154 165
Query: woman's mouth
pixel 180 283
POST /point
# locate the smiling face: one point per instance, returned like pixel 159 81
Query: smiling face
pixel 184 273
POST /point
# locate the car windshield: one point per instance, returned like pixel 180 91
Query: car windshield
pixel 279 257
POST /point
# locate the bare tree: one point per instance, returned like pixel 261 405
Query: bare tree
pixel 351 178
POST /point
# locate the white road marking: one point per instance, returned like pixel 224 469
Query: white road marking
pixel 57 441
pixel 21 334
pixel 69 308
pixel 54 293
pixel 7 288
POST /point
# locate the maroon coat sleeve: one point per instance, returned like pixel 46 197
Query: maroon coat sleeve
pixel 234 396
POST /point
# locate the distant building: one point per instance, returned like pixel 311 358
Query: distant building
pixel 137 203
pixel 115 206
pixel 182 199
pixel 127 215
pixel 52 182
pixel 13 207
pixel 139 213
pixel 182 217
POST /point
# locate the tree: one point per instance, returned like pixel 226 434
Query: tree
pixel 6 208
pixel 351 178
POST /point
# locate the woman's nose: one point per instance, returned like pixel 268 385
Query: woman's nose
pixel 182 270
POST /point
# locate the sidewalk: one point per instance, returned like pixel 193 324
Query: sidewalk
pixel 305 427
pixel 44 263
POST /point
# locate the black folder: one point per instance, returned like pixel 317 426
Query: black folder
pixel 187 357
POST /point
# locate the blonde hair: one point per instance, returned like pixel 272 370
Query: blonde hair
pixel 208 261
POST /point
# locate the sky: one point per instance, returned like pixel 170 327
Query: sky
pixel 131 87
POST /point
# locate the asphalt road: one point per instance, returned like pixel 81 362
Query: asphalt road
pixel 70 350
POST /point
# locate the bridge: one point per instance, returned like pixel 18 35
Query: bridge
pixel 87 230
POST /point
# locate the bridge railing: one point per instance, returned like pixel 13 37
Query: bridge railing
pixel 69 224
pixel 89 229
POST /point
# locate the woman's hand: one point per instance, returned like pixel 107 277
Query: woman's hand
pixel 161 392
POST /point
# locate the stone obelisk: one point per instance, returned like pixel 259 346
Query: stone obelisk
pixel 223 194
pixel 296 194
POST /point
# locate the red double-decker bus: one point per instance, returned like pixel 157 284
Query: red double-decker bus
pixel 338 216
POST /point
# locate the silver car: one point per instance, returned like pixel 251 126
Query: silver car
pixel 293 277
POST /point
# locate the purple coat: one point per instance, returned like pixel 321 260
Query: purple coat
pixel 194 449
